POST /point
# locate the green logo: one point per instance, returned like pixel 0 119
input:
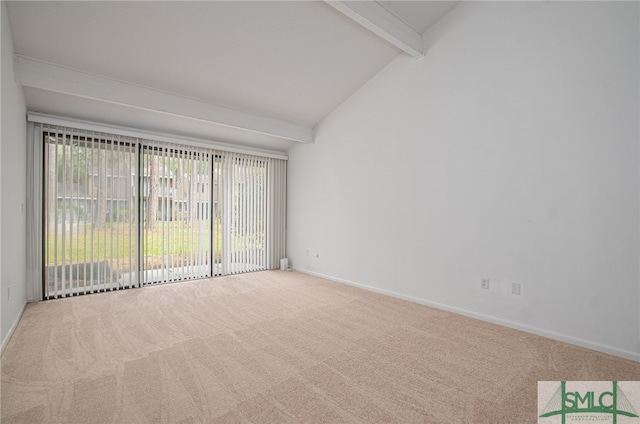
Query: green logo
pixel 565 402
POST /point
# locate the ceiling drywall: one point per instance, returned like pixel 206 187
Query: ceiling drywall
pixel 420 15
pixel 291 63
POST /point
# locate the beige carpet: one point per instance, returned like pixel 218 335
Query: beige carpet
pixel 276 347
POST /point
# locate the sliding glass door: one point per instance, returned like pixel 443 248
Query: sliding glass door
pixel 180 235
pixel 123 212
pixel 90 213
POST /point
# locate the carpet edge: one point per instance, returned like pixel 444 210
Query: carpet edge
pixel 611 350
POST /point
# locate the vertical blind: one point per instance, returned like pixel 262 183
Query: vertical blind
pixel 245 189
pixel 276 212
pixel 90 212
pixel 177 199
pixel 123 212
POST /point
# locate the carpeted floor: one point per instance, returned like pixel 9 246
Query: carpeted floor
pixel 276 347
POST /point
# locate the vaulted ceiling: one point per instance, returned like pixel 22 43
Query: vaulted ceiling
pixel 255 73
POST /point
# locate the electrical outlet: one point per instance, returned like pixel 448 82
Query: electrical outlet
pixel 484 284
pixel 516 288
pixel 317 253
pixel 9 293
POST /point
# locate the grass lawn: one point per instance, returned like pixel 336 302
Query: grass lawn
pixel 94 245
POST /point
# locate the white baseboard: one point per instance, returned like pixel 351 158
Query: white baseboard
pixel 634 356
pixel 5 342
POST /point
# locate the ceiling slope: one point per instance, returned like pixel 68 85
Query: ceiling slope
pixel 258 73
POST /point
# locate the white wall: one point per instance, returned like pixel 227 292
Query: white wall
pixel 13 190
pixel 511 151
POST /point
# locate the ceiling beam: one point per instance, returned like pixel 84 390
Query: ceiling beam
pixel 378 19
pixel 46 76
